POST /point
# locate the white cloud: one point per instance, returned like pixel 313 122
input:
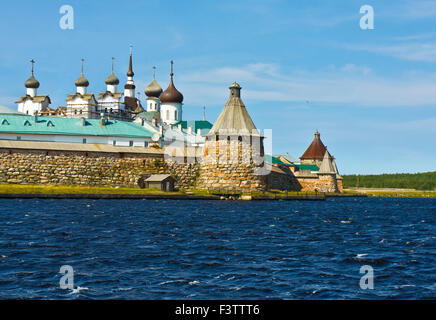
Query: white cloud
pixel 419 9
pixel 415 51
pixel 349 84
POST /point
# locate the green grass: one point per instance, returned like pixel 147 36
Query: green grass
pixel 71 189
pixel 396 193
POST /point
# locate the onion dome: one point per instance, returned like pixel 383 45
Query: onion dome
pixel 112 80
pixel 171 94
pixel 32 82
pixel 153 89
pixel 81 81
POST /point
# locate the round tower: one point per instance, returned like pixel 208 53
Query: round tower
pixel 233 154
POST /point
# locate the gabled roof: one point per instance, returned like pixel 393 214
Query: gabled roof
pixel 316 149
pixel 285 160
pixel 327 164
pixel 86 96
pixel 274 160
pixel 149 115
pixel 290 158
pixel 158 177
pixel 40 98
pixel 116 95
pixel 234 119
pixel 71 126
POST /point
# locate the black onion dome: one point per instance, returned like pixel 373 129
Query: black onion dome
pixel 32 83
pixel 171 94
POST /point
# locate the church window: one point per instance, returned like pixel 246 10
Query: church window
pixel 18 138
pixel 50 124
pixel 27 123
pixel 84 141
pixel 5 122
pixel 114 143
pixel 175 115
pixel 168 114
pixel 130 143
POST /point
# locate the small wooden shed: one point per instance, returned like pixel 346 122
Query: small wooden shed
pixel 164 182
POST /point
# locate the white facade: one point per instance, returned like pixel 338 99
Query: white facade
pixel 129 92
pixel 111 102
pixel 153 104
pixel 31 92
pixel 30 105
pixel 115 141
pixel 82 106
pixel 171 112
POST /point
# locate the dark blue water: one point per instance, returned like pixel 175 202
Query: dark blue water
pixel 147 249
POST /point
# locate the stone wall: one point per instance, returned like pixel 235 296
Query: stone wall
pixel 320 183
pixel 282 178
pixel 87 168
pixel 232 164
pixel 340 185
pixel 115 169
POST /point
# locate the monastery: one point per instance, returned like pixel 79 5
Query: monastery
pixel 113 139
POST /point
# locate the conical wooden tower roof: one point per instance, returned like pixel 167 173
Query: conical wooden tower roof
pixel 327 165
pixel 234 119
pixel 316 149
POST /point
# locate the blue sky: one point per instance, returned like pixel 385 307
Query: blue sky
pixel 303 65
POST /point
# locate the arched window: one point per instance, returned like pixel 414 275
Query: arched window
pixel 175 115
pixel 168 114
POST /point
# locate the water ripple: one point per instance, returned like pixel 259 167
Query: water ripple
pixel 171 249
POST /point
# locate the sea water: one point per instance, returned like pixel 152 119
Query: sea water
pixel 197 249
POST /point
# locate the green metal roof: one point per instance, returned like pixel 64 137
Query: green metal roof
pixel 203 125
pixel 274 160
pixel 69 126
pixel 310 167
pixel 195 124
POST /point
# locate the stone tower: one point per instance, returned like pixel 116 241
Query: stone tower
pixel 327 174
pixel 233 154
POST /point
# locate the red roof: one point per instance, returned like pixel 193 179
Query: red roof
pixel 316 149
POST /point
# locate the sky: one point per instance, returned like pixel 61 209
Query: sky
pixel 302 65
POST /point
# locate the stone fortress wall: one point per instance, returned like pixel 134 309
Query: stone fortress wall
pixel 93 168
pixel 88 168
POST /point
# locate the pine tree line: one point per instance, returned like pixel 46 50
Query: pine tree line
pixel 418 181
